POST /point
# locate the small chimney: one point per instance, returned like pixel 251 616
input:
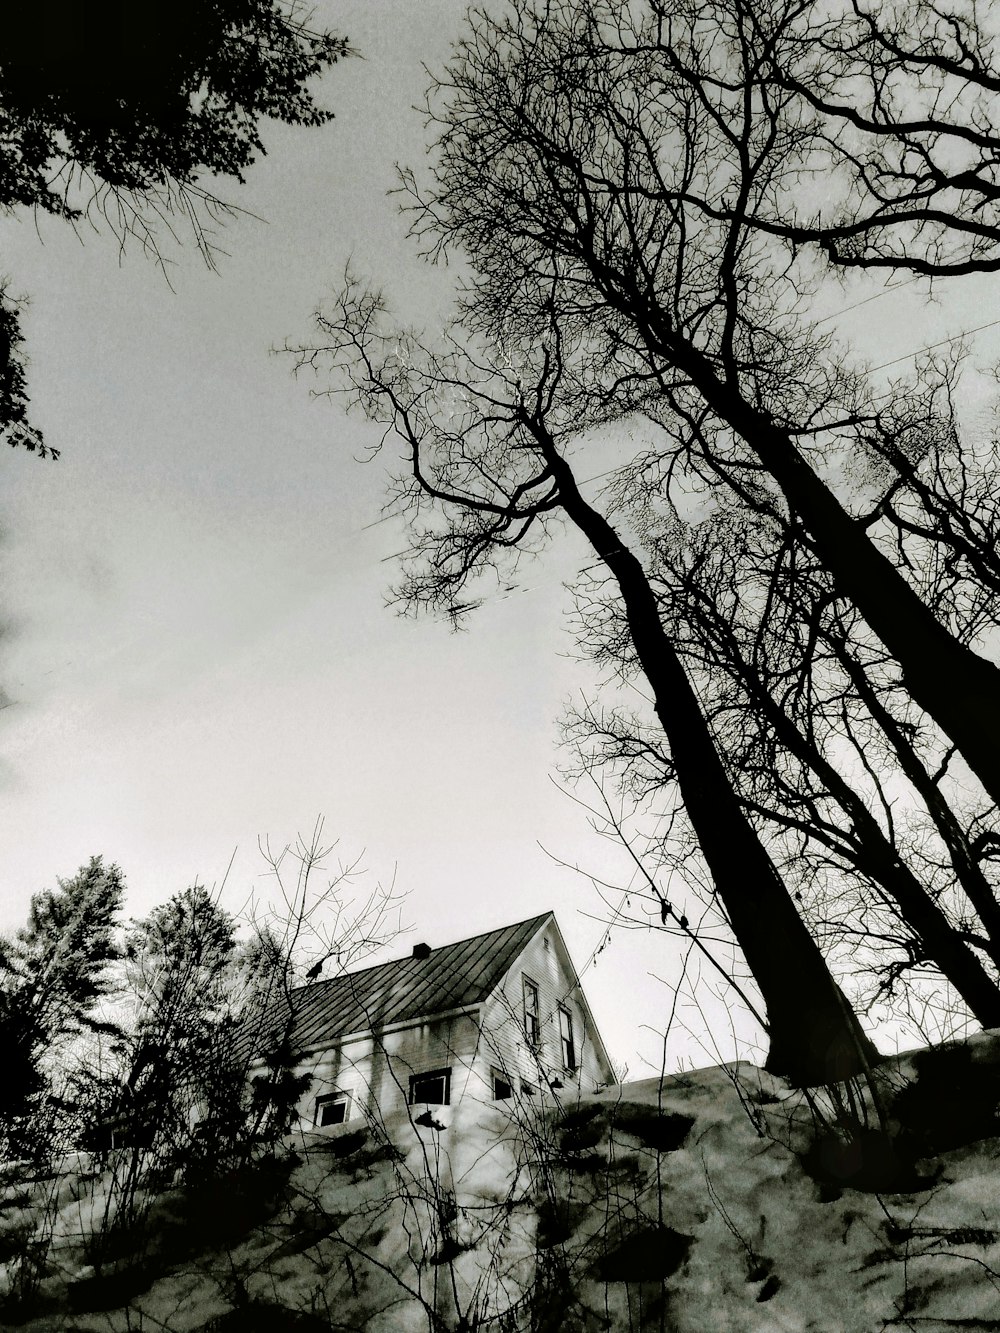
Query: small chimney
pixel 421 951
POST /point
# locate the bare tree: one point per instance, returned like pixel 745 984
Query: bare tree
pixel 603 172
pixel 898 107
pixel 607 168
pixel 488 471
pixel 790 683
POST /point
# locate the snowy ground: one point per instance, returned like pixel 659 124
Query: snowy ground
pixel 717 1200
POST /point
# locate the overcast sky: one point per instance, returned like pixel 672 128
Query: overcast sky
pixel 196 646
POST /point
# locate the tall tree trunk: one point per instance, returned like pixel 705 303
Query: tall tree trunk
pixel 877 858
pixel 977 887
pixel 815 1036
pixel 955 686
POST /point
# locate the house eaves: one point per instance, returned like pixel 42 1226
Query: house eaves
pixel 467 1011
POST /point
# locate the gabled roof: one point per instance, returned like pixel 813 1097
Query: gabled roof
pixel 451 977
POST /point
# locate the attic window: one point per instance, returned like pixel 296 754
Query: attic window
pixel 502 1086
pixel 332 1109
pixel 431 1089
pixel 532 1028
pixel 566 1040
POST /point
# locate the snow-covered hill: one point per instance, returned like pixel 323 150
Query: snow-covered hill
pixel 716 1200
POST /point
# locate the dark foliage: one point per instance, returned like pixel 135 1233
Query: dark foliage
pixel 114 111
pixel 52 976
pixel 15 427
pixel 60 957
pixel 139 96
pixel 181 1090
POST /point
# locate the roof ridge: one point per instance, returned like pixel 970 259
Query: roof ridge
pixel 511 925
pixel 454 975
pixel 451 944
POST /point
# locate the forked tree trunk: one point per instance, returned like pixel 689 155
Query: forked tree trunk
pixel 955 686
pixel 815 1036
pixel 968 871
pixel 878 859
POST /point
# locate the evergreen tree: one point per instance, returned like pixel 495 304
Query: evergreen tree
pixel 53 974
pixel 177 961
pixel 204 1000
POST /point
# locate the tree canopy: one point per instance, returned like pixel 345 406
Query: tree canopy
pixel 116 113
pixel 138 98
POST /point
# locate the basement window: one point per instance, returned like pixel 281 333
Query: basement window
pixel 333 1109
pixel 432 1089
pixel 502 1086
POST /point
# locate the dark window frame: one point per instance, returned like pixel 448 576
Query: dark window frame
pixel 532 1017
pixel 567 1039
pixel 498 1081
pixel 332 1099
pixel 426 1077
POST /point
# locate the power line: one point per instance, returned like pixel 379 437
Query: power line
pixel 876 296
pixel 966 333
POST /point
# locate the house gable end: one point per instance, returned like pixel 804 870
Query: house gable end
pixel 551 972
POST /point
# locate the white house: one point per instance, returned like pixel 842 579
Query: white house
pixel 493 1019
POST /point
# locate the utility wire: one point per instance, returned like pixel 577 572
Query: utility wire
pixel 875 296
pixel 944 342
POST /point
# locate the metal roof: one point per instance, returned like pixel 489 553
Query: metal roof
pixel 450 977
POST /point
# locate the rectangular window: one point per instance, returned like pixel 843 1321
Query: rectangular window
pixel 333 1109
pixel 502 1087
pixel 528 1090
pixel 566 1038
pixel 433 1089
pixel 532 1027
